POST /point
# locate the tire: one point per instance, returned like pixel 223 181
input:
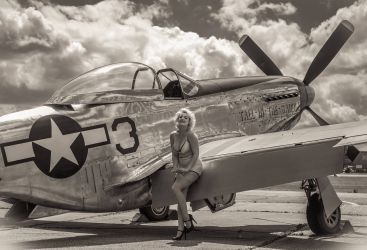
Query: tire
pixel 155 214
pixel 316 217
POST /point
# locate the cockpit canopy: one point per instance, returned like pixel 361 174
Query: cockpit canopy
pixel 125 82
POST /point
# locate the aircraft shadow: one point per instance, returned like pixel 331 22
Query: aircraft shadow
pixel 109 234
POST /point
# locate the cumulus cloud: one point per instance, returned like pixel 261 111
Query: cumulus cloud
pixel 10 108
pixel 240 15
pixel 341 88
pixel 51 44
pixel 352 56
pixel 282 41
pixel 32 49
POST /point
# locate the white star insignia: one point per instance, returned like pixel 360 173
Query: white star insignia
pixel 59 145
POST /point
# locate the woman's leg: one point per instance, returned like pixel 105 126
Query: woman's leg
pixel 181 224
pixel 180 188
pixel 179 218
pixel 179 213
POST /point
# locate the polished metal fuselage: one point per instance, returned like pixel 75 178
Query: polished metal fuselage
pixel 112 179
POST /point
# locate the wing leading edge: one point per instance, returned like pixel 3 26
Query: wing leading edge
pixel 345 134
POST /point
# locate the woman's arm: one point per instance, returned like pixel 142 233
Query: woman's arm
pixel 174 154
pixel 194 144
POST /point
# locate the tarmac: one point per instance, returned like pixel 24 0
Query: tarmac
pixel 271 218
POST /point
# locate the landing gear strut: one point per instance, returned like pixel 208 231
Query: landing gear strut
pixel 317 220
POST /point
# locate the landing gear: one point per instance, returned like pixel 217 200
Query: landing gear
pixel 155 214
pixel 316 217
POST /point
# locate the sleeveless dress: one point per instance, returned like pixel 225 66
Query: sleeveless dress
pixel 185 154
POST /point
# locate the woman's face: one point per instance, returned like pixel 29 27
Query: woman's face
pixel 183 119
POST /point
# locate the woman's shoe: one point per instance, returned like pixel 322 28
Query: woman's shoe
pixel 192 227
pixel 179 236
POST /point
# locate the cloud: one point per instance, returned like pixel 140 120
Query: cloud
pixel 157 10
pixel 352 57
pixel 46 45
pixel 11 108
pixel 35 54
pixel 341 88
pixel 28 30
pixel 240 15
pixel 50 44
pixel 196 56
pixel 282 41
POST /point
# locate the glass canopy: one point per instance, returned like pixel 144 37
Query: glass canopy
pixel 122 76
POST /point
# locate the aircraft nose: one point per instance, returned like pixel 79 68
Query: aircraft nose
pixel 307 96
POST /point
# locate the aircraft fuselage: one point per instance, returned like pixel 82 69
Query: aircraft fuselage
pixel 102 162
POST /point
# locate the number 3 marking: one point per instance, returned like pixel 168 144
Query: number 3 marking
pixel 133 134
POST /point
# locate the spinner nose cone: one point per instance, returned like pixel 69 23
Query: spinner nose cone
pixel 310 95
pixel 307 96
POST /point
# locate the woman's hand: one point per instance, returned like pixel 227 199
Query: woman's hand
pixel 174 169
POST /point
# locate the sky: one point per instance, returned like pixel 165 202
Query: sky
pixel 44 44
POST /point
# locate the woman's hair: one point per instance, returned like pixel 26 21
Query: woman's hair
pixel 191 115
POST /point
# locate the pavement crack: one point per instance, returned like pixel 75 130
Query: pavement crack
pixel 279 237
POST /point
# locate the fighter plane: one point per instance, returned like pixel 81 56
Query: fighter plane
pixel 101 142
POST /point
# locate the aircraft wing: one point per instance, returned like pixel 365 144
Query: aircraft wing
pixel 353 133
pixel 250 162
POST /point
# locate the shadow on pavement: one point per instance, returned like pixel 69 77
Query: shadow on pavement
pixel 95 234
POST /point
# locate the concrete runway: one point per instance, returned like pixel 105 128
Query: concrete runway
pixel 260 219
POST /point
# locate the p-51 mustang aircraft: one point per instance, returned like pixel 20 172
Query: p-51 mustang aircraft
pixel 101 143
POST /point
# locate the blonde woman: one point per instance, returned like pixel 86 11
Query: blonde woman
pixel 187 166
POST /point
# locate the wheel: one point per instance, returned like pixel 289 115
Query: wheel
pixel 317 220
pixel 155 214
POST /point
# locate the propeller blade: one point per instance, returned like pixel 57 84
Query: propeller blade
pixel 258 56
pixel 329 50
pixel 319 120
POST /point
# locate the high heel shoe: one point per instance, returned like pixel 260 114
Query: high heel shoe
pixel 192 227
pixel 179 237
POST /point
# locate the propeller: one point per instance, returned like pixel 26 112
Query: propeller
pixel 326 54
pixel 322 59
pixel 329 50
